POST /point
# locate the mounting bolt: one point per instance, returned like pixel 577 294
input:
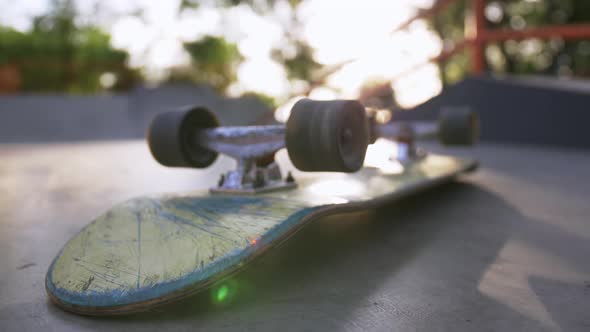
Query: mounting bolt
pixel 259 179
pixel 289 178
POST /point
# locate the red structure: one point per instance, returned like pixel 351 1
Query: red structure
pixel 482 35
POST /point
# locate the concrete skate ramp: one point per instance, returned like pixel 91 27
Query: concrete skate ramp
pixel 55 118
pixel 535 110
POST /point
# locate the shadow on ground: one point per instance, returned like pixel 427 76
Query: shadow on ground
pixel 394 267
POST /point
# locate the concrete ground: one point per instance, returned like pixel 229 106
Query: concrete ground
pixel 504 249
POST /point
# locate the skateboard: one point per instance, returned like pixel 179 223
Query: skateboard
pixel 154 250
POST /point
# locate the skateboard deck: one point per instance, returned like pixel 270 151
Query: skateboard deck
pixel 154 250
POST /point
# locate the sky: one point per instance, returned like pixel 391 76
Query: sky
pixel 338 30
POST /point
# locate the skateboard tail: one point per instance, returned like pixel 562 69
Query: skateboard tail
pixel 128 299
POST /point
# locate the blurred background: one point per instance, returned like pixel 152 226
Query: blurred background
pixel 89 69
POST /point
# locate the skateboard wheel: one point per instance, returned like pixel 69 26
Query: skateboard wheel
pixel 171 137
pixel 327 136
pixel 458 126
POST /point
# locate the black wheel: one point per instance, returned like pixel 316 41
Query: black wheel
pixel 327 136
pixel 171 137
pixel 458 126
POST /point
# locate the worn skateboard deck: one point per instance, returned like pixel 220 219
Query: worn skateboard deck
pixel 153 250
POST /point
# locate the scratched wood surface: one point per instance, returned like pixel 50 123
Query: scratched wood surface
pixel 155 249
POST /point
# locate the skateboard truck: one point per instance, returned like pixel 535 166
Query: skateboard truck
pixel 253 148
pixel 455 126
pixel 328 136
pixel 405 135
pixel 320 136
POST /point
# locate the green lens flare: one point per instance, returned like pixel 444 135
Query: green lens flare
pixel 222 293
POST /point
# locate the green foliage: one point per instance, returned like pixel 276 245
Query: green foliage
pixel 214 61
pixel 541 56
pixel 188 4
pixel 57 55
pixel 456 69
pixel 301 65
pixel 449 25
pixel 260 6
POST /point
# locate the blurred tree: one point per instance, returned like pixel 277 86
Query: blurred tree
pixel 449 25
pixel 58 55
pixel 296 55
pixel 303 71
pixel 270 102
pixel 378 94
pixel 299 63
pixel 213 61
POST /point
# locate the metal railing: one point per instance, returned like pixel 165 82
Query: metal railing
pixel 481 35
